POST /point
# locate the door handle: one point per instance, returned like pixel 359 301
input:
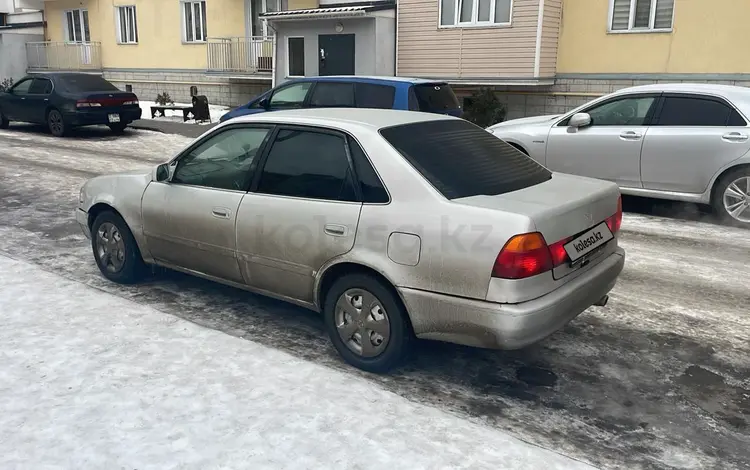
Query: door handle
pixel 335 230
pixel 735 137
pixel 630 135
pixel 220 212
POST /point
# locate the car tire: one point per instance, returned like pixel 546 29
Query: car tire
pixel 56 123
pixel 115 250
pixel 380 354
pixel 118 128
pixel 725 199
pixel 4 122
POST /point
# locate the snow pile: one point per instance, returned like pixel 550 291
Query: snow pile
pixel 91 380
pixel 176 116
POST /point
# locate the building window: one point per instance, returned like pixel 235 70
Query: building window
pixel 475 12
pixel 194 21
pixel 77 26
pixel 296 57
pixel 127 30
pixel 641 15
pixel 3 19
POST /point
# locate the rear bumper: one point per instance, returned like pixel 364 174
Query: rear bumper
pixel 509 326
pixel 82 217
pixel 101 116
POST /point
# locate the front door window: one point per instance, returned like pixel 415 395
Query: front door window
pixel 77 26
pixel 290 97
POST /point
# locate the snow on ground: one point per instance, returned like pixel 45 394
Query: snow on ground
pixel 91 380
pixel 216 112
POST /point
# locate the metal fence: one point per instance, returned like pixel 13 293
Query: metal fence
pixel 240 55
pixel 64 56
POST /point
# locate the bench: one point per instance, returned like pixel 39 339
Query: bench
pixel 186 111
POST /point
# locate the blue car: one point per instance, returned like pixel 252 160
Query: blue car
pixel 414 94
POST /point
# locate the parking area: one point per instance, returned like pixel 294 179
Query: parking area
pixel 659 378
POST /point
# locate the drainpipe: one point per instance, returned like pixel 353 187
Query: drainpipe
pixel 395 47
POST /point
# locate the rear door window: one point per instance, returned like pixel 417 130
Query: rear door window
pixel 369 95
pixel 460 159
pixel 434 98
pixel 332 95
pixel 85 83
pixel 308 164
pixel 695 111
pixel 41 86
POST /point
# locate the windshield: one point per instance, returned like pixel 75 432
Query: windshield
pixel 460 159
pixel 435 98
pixel 85 83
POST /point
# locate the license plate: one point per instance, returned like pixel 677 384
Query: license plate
pixel 114 118
pixel 588 241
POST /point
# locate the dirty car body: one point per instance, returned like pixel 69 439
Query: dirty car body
pixel 393 224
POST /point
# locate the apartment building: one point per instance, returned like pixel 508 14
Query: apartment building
pixel 548 56
pixel 231 50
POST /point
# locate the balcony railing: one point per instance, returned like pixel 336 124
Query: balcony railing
pixel 252 55
pixel 63 56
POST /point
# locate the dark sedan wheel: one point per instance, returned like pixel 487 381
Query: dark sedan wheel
pixel 115 250
pixel 56 123
pixel 367 323
pixel 4 122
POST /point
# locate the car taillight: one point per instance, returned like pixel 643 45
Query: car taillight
pixel 614 222
pixel 523 256
pixel 557 250
pixel 87 104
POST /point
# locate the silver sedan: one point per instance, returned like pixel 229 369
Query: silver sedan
pixel 683 142
pixel 392 224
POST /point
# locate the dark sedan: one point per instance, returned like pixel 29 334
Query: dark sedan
pixel 63 101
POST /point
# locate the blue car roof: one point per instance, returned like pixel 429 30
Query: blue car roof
pixel 367 79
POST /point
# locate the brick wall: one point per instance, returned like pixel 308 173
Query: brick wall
pixel 567 94
pixel 219 90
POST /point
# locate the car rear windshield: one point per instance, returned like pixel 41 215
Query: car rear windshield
pixel 434 98
pixel 462 160
pixel 85 83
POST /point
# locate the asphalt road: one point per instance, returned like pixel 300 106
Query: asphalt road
pixel 659 378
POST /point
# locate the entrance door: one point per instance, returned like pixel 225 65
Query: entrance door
pixel 335 54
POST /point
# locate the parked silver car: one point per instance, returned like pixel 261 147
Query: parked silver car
pixel 684 142
pixel 393 224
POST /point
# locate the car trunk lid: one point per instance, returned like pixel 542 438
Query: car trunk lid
pixel 570 212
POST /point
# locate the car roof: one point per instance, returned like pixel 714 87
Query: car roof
pixel 343 117
pixel 706 88
pixel 370 79
pixel 739 96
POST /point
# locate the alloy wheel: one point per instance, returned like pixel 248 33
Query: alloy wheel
pixel 56 124
pixel 362 323
pixel 110 247
pixel 737 199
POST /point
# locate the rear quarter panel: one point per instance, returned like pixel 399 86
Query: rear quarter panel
pixel 457 244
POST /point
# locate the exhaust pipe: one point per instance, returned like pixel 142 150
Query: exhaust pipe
pixel 602 302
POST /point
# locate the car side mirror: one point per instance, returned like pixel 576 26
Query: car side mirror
pixel 162 172
pixel 580 120
pixel 264 103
